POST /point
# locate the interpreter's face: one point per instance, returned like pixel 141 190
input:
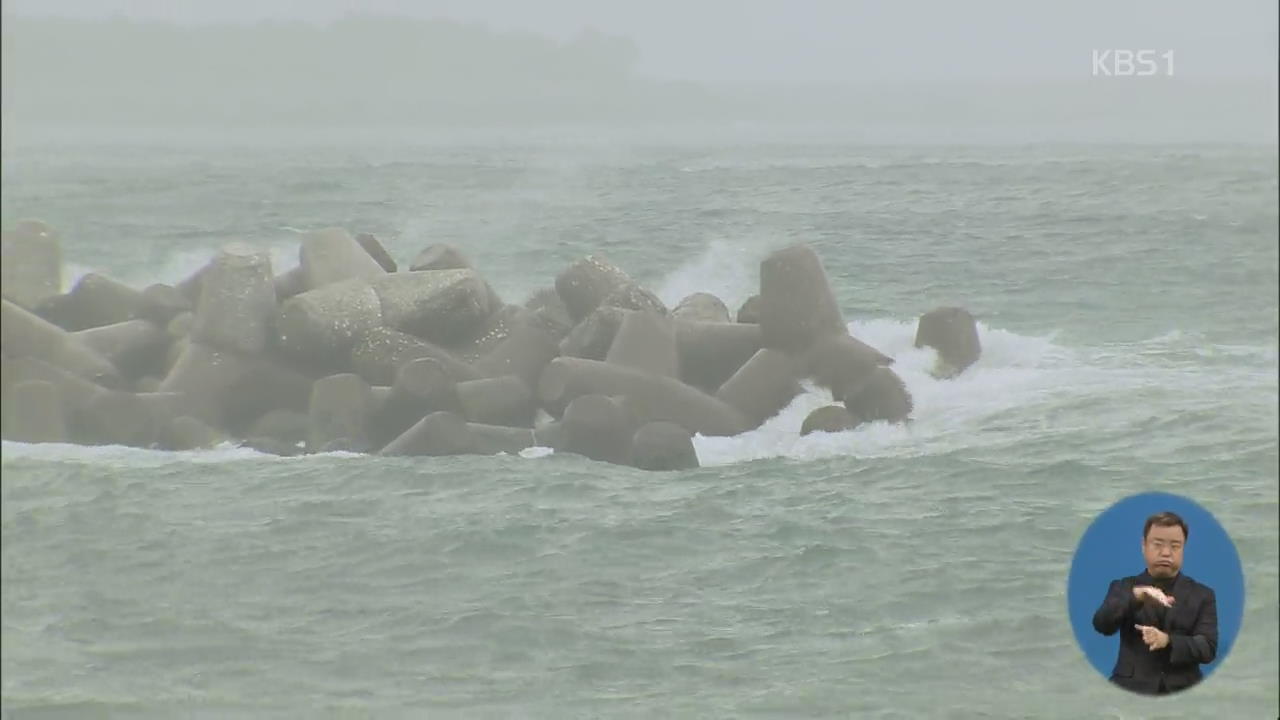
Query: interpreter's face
pixel 1162 550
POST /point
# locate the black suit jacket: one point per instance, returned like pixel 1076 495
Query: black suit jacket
pixel 1192 625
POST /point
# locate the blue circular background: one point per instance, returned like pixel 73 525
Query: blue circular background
pixel 1112 548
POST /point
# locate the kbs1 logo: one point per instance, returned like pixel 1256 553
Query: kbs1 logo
pixel 1132 63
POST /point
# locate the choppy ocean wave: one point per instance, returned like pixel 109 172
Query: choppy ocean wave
pixel 1127 347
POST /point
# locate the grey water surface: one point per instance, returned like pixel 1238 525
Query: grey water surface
pixel 1127 297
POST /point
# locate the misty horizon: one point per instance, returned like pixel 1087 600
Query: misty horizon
pixel 377 70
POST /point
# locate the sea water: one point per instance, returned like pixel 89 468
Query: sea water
pixel 1127 306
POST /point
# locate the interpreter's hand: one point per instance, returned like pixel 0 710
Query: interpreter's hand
pixel 1147 593
pixel 1154 637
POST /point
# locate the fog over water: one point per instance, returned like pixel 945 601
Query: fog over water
pixel 1115 236
pixel 907 72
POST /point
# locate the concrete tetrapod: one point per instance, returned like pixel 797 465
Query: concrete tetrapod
pixel 655 397
pixel 421 387
pixel 597 427
pixel 23 334
pixel 380 354
pixel 442 306
pixel 94 301
pixel 647 342
pixel 340 409
pixel 797 305
pixel 829 418
pixel 134 347
pixel 443 256
pixel 237 306
pixel 440 433
pixel 320 327
pixel 840 364
pixel 953 332
pixel 504 400
pixel 331 255
pixel 762 387
pixel 592 337
pixel 701 307
pixel 30 263
pixel 524 353
pixel 374 247
pixel 584 285
pixel 34 413
pixel 662 445
pixel 883 397
pixel 710 353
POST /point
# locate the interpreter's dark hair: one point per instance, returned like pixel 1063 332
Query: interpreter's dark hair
pixel 1165 519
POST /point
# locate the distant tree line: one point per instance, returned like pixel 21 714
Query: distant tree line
pixel 369 71
pixel 358 70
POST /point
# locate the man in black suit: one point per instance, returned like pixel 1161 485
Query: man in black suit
pixel 1168 622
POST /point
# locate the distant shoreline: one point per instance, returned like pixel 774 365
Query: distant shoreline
pixel 382 75
pixel 17 137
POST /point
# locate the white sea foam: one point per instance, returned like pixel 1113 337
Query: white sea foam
pixel 724 269
pixel 1015 370
pixel 1015 392
pixel 117 455
pixel 121 456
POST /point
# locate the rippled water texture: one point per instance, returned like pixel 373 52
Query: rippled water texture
pixel 1127 300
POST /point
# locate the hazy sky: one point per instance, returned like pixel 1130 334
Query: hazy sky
pixel 799 41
